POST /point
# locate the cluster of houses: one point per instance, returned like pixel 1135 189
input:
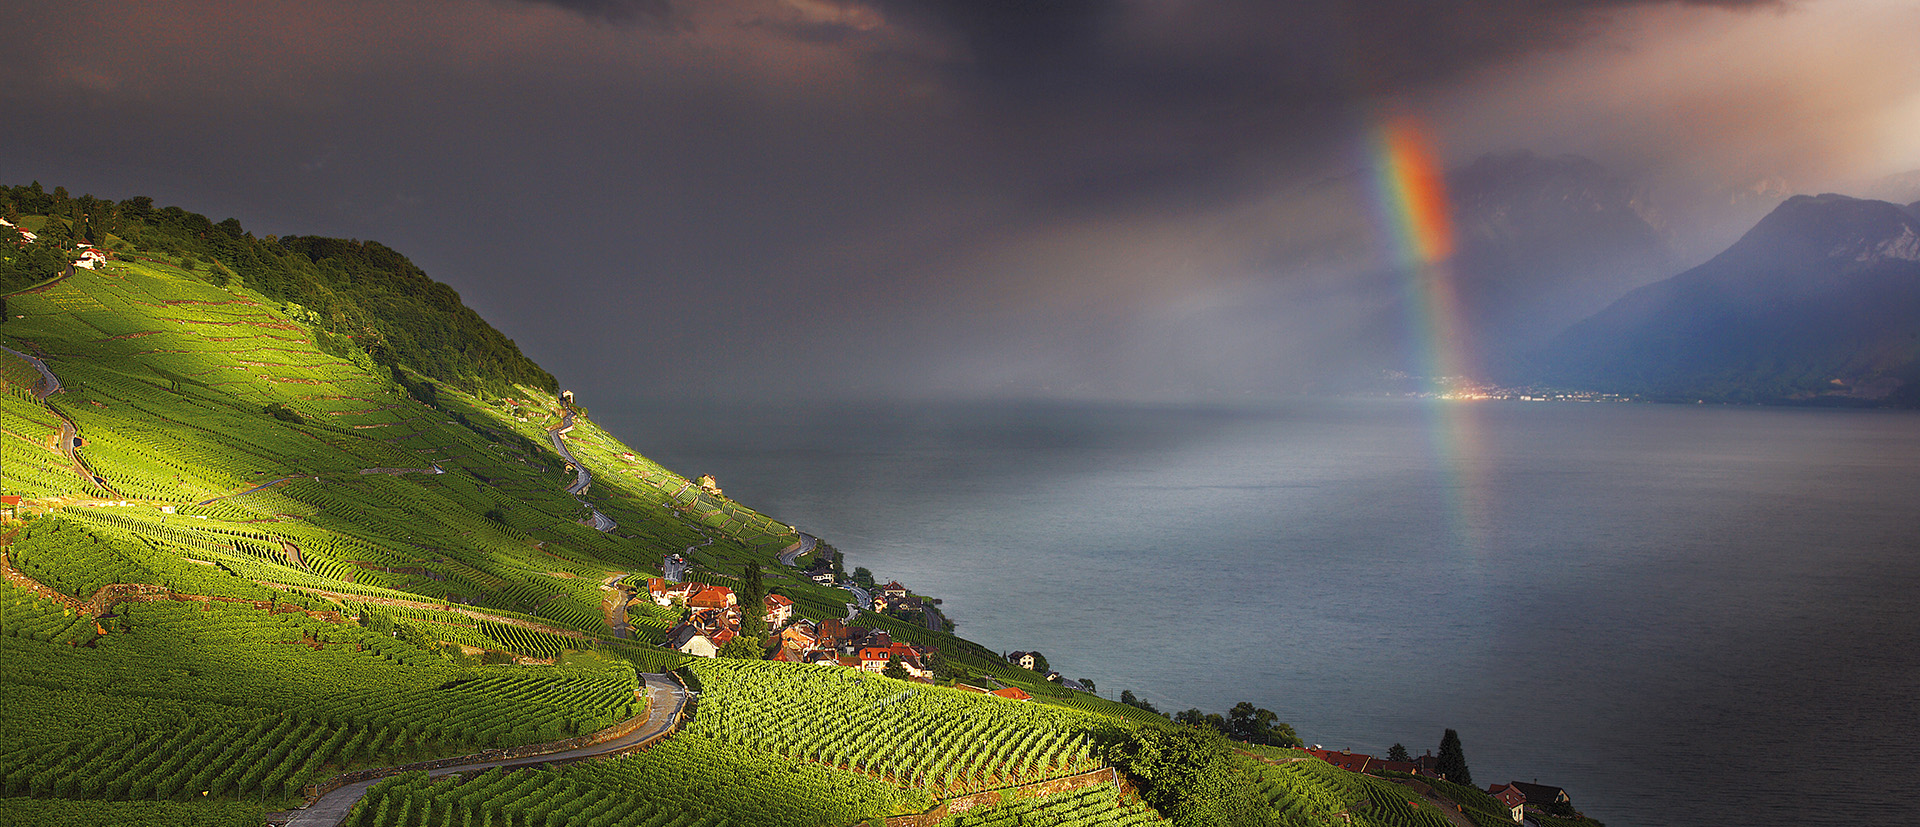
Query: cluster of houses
pixel 89 254
pixel 1518 796
pixel 895 597
pixel 714 619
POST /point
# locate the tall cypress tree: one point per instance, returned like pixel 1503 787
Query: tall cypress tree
pixel 1452 761
pixel 753 603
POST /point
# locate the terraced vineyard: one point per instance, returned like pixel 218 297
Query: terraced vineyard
pixel 687 781
pixel 1091 806
pixel 919 736
pixel 227 717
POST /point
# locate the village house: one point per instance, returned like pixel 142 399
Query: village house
pixel 711 597
pixel 1344 759
pixel 779 610
pixel 894 591
pixel 1360 762
pixel 1024 660
pixel 912 657
pixel 689 641
pixel 1511 798
pixel 705 631
pixel 1546 797
pixel 820 572
pixel 800 637
pixel 831 633
pixel 664 592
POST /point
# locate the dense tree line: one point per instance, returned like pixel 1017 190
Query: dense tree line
pixel 1244 722
pixel 351 293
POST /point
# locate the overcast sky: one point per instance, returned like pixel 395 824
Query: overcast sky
pixel 841 198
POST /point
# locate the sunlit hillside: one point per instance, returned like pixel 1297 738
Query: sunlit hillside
pixel 252 559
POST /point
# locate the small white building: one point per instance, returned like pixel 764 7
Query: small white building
pixel 688 641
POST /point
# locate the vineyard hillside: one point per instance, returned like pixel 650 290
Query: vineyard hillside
pixel 283 513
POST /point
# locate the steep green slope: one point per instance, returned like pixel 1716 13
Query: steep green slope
pixel 265 546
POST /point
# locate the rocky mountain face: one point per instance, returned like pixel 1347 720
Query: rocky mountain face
pixel 1819 301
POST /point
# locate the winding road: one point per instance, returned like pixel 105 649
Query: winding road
pixel 49 384
pixel 805 546
pixel 582 479
pixel 666 698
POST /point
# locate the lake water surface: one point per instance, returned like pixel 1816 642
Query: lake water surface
pixel 1684 615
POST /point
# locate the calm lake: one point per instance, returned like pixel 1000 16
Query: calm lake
pixel 1685 615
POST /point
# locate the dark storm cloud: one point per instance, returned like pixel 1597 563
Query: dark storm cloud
pixel 655 12
pixel 764 197
pixel 1116 101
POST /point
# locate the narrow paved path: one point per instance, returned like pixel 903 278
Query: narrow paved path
pixel 618 617
pixel 804 547
pixel 582 478
pixel 665 700
pixel 49 384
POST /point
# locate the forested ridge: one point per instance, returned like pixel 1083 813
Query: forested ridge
pixel 346 290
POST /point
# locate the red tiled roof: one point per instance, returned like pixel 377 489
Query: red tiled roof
pixel 1349 761
pixel 1014 692
pixel 1508 795
pixel 710 597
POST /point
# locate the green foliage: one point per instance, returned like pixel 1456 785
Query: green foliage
pixel 74 559
pixel 1127 697
pixel 31 812
pixel 1452 760
pixel 740 647
pixel 753 597
pixel 920 736
pixel 360 290
pixel 1254 725
pixel 1186 773
pixel 684 781
pixel 189 697
pixel 280 411
pixel 1398 752
pixel 1092 805
pixel 894 669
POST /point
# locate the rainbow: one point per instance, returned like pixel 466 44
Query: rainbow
pixel 1411 193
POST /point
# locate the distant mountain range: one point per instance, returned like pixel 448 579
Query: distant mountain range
pixel 1819 302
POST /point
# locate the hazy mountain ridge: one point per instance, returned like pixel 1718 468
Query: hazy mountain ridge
pixel 1544 242
pixel 1820 300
